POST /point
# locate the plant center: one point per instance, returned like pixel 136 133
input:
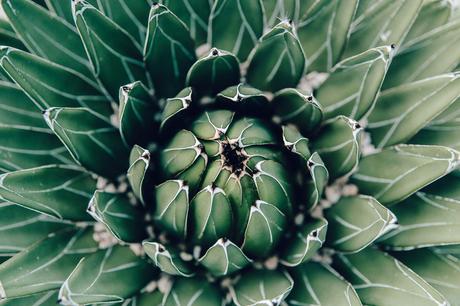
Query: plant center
pixel 234 157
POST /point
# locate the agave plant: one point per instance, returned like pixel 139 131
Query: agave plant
pixel 230 152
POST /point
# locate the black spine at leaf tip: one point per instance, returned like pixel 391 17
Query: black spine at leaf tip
pixel 393 46
pixel 310 98
pixel 310 163
pixel 43 112
pixel 161 249
pixel 224 239
pixel 215 52
pixel 125 88
pixel 59 300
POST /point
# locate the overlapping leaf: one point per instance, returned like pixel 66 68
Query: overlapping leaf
pixel 194 292
pixel 168 259
pixel 138 178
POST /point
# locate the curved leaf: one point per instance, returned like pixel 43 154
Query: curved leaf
pixel 46 264
pixel 356 222
pixel 168 259
pixel 40 299
pixel 92 279
pixel 122 219
pixel 138 178
pixel 168 51
pixel 93 142
pixel 192 292
pixel 60 191
pixel 395 173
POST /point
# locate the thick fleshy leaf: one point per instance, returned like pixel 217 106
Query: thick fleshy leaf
pixel 432 15
pixel 93 142
pixel 210 216
pixel 176 112
pixel 168 52
pixel 46 264
pixel 245 99
pixel 137 114
pixel 92 280
pixel 195 14
pixel 264 230
pixel 278 61
pixel 61 191
pixel 8 36
pixel 61 45
pixel 62 9
pixel 283 9
pixel 428 55
pixel 116 58
pixel 168 259
pixel 395 173
pixel 52 85
pixel 138 173
pixel 304 243
pixel 172 206
pixel 353 85
pixel 26 141
pixel 117 213
pixel 429 217
pixel 316 181
pixel 355 222
pixel 20 228
pixel 319 284
pixel 193 292
pixel 323 31
pixel 262 287
pixel 384 22
pixel 211 125
pixel 296 143
pixel 214 72
pixel 379 279
pixel 441 270
pixel 46 298
pixel 338 144
pixel 442 134
pixel 224 258
pixel 402 111
pixel 236 26
pixel 293 106
pixel 251 131
pixel 131 16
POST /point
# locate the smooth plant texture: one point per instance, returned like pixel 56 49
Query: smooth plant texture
pixel 230 152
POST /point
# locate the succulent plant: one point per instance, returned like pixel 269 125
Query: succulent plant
pixel 230 152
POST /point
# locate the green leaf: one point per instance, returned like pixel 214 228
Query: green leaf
pixel 168 52
pixel 353 84
pixel 284 9
pixel 172 206
pixel 92 280
pixel 379 279
pixel 62 9
pixel 46 264
pixel 195 14
pixel 319 284
pixel 60 191
pixel 168 259
pixel 137 114
pixel 138 173
pixel 210 216
pixel 440 270
pixel 26 141
pixel 131 16
pixel 395 173
pixel 293 106
pixel 52 85
pixel 338 144
pixel 426 56
pixel 8 36
pixel 224 258
pixel 402 111
pixel 148 299
pixel 245 99
pixel 432 15
pixel 211 125
pixel 443 134
pixel 264 230
pixel 305 242
pixel 214 72
pixel 61 45
pixel 384 22
pixel 323 31
pixel 278 61
pixel 236 26
pixel 93 142
pixel 193 292
pixel 316 181
pixel 117 213
pixel 115 56
pixel 429 217
pixel 295 142
pixel 176 112
pixel 262 287
pixel 20 228
pixel 355 222
pixel 46 298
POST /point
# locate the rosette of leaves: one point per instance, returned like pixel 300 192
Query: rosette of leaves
pixel 199 135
